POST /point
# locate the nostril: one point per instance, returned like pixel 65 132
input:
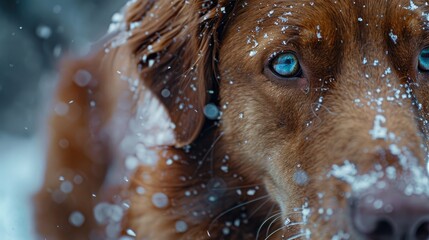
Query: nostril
pixel 383 229
pixel 407 217
pixel 422 232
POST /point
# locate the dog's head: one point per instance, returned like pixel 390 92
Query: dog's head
pixel 325 102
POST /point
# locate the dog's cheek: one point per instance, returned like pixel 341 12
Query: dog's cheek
pixel 262 127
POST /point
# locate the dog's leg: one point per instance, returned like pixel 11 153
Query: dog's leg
pixel 77 158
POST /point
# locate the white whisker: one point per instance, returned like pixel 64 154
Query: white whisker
pixel 269 226
pixel 266 220
pixel 233 208
pixel 294 224
pixel 297 236
pixel 276 231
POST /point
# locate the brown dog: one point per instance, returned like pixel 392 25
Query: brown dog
pixel 254 119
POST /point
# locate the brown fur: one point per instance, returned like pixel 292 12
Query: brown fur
pixel 269 129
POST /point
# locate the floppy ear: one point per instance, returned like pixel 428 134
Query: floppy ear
pixel 175 44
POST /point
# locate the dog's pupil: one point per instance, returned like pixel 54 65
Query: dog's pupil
pixel 288 62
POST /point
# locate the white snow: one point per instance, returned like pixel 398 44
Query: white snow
pixel 21 171
pixel 378 131
pixel 393 37
pixel 252 53
pixel 412 6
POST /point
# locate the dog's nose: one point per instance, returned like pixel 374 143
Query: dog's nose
pixel 390 214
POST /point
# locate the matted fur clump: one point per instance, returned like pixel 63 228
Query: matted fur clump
pixel 255 119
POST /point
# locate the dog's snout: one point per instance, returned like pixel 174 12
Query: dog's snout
pixel 390 214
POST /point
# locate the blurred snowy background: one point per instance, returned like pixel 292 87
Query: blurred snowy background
pixel 34 34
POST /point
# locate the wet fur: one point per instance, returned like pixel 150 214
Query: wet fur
pixel 268 130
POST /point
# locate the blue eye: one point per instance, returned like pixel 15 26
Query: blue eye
pixel 287 65
pixel 424 59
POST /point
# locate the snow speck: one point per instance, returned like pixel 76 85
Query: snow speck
pixel 66 187
pixel 106 212
pixel 135 25
pixel 151 62
pixel 56 9
pixel 378 204
pixel 117 23
pixel 61 108
pixel 253 53
pixel 140 190
pixel 341 236
pixel 131 162
pixel 393 37
pixel 346 172
pixel 43 32
pixel 364 61
pixel 319 33
pixel 131 233
pixel 300 177
pixel 165 93
pixel 160 200
pixel 181 226
pixel 412 6
pixel 76 219
pixel 251 192
pixel 378 131
pixel 78 179
pixel 211 111
pixel 82 78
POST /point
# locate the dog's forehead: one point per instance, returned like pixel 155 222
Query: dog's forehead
pixel 359 21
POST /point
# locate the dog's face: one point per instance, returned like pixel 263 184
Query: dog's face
pixel 326 102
